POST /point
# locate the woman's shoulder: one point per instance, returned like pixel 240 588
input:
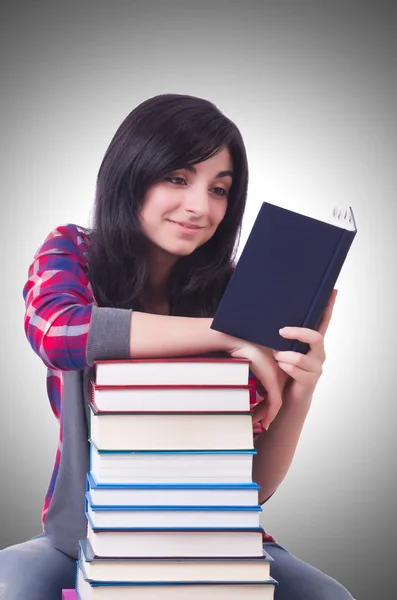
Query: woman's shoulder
pixel 66 238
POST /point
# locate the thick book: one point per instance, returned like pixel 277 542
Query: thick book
pixel 193 542
pixel 194 466
pixel 284 276
pixel 170 431
pixel 202 370
pixel 167 517
pixel 213 569
pixel 88 589
pixel 171 398
pixel 177 494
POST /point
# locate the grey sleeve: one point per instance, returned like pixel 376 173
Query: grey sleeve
pixel 109 334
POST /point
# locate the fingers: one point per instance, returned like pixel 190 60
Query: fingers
pixel 314 338
pixel 275 400
pixel 310 336
pixel 267 410
pixel 259 411
pixel 307 378
pixel 306 362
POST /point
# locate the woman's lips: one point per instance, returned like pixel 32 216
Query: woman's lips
pixel 186 227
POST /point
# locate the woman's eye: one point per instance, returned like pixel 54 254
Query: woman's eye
pixel 220 191
pixel 176 180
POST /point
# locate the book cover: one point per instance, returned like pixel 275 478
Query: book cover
pixel 171 398
pixel 173 516
pixel 284 276
pixel 176 542
pixel 214 371
pixel 171 466
pixel 159 568
pixel 69 595
pixel 172 494
pixel 172 590
pixel 170 431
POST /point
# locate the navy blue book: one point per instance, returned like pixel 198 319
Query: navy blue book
pixel 284 276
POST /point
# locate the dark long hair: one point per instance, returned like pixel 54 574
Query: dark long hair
pixel 162 134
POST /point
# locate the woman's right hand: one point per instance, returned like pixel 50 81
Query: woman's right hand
pixel 268 373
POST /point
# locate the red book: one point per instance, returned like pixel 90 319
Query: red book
pixel 199 371
pixel 69 595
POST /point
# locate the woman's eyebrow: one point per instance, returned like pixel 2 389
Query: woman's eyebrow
pixel 192 169
pixel 224 174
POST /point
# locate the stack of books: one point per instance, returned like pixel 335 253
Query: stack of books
pixel 171 506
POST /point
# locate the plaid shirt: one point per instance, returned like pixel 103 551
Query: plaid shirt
pixel 59 300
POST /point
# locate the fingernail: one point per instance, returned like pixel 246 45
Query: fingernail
pixel 282 330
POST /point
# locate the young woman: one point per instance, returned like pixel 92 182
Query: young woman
pixel 145 281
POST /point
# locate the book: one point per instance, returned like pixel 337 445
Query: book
pixel 180 467
pixel 193 542
pixel 215 494
pixel 172 431
pixel 152 398
pixel 249 568
pixel 203 370
pixel 69 595
pixel 284 276
pixel 88 589
pixel 124 517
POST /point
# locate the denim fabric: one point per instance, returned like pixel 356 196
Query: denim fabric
pixel 298 580
pixel 35 570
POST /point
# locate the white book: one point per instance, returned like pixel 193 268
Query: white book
pixel 173 569
pixel 173 494
pixel 173 371
pixel 174 543
pixel 170 467
pixel 168 517
pixel 174 590
pixel 176 431
pixel 171 398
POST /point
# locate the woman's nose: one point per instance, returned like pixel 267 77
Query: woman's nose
pixel 197 201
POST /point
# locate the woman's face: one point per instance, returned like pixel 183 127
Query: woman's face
pixel 182 212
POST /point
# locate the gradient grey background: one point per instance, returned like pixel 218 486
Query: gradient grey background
pixel 312 86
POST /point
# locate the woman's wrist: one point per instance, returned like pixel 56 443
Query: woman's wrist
pixel 300 408
pixel 222 341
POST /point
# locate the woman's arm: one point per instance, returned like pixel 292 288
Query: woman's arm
pixel 58 300
pixel 69 332
pixel 276 448
pixel 165 336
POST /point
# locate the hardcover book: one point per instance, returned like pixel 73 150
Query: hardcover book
pixel 158 568
pixel 284 276
pixel 169 398
pixel 193 542
pixel 171 431
pixel 172 494
pixel 69 595
pixel 202 370
pixel 89 589
pixel 124 517
pixel 108 467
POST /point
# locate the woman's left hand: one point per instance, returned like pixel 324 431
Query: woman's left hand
pixel 304 370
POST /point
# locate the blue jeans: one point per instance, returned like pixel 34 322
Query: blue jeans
pixel 34 570
pixel 299 580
